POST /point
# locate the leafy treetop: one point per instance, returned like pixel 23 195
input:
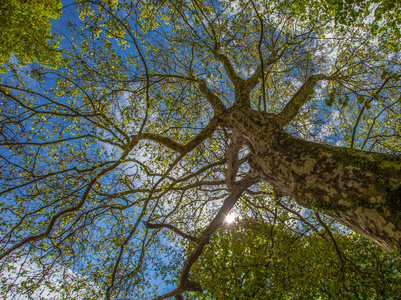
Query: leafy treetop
pixel 163 116
pixel 26 31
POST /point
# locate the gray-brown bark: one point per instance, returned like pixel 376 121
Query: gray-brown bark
pixel 359 189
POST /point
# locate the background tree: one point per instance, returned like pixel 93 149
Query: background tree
pixel 166 115
pixel 382 18
pixel 253 260
pixel 26 31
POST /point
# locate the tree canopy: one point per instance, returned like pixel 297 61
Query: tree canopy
pixel 382 18
pixel 26 31
pixel 163 117
pixel 252 260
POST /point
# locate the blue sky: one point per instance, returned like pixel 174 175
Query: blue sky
pixel 127 76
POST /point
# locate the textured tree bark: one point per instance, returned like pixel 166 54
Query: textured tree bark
pixel 359 189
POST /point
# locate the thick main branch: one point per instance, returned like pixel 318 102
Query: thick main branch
pixel 359 189
pixel 169 143
pixel 235 79
pixel 213 100
pixel 302 96
pixel 233 162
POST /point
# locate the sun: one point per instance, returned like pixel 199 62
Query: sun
pixel 230 218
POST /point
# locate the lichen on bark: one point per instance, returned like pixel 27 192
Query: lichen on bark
pixel 359 189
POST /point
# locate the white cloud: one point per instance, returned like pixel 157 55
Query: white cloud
pixel 25 280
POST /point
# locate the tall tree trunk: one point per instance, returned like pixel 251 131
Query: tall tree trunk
pixel 359 189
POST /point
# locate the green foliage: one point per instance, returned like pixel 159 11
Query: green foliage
pixel 253 260
pixel 381 17
pixel 122 132
pixel 26 31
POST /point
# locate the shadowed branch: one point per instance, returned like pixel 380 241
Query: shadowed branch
pixel 173 228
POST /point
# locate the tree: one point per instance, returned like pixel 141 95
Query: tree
pixel 382 18
pixel 26 31
pixel 167 114
pixel 252 260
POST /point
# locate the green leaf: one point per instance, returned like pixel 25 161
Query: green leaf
pixel 345 101
pixel 26 32
pixel 328 102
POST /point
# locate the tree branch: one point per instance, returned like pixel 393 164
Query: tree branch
pixel 327 229
pixel 174 293
pixel 253 81
pixel 235 79
pixel 203 135
pixel 173 228
pixel 292 108
pixel 161 140
pixel 361 113
pixel 261 55
pixel 185 283
pixel 213 100
pixel 218 220
pixel 68 210
pixel 182 149
pixel 206 132
pixel 233 163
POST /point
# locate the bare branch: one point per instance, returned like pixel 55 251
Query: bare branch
pixel 218 220
pixel 185 283
pixel 361 113
pixel 253 81
pixel 327 229
pixel 115 269
pixel 161 140
pixel 235 79
pixel 182 149
pixel 54 219
pixel 173 228
pixel 175 293
pixel 261 55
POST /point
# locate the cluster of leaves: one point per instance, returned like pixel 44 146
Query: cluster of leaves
pixel 257 260
pixel 381 17
pixel 26 32
pixel 122 133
